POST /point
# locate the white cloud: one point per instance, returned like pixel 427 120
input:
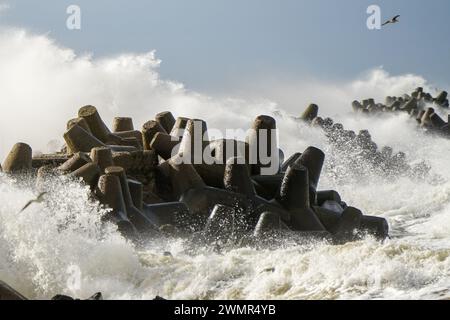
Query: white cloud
pixel 335 97
pixel 43 85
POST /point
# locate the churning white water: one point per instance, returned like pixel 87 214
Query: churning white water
pixel 61 246
pixel 44 249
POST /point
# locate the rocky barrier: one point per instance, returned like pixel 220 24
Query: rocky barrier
pixel 142 177
pixel 359 154
pixel 420 105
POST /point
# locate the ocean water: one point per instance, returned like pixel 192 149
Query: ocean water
pixel 61 246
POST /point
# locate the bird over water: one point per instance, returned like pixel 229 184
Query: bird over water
pixel 393 20
pixel 39 199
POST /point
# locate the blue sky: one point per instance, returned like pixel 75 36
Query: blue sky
pixel 214 44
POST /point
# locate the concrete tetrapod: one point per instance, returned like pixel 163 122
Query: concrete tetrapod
pixel 137 218
pixel 19 159
pixel 294 196
pixel 109 192
pixel 121 124
pixel 149 130
pixel 262 141
pixel 8 293
pixel 165 120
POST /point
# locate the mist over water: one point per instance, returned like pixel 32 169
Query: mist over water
pixel 44 85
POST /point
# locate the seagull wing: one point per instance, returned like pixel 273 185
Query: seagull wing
pixel 40 197
pixel 27 205
pixel 387 22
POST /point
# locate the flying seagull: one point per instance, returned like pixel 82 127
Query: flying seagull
pixel 39 199
pixel 393 20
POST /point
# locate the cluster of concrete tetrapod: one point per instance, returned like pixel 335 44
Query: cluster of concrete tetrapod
pixel 137 175
pixel 357 150
pixel 419 105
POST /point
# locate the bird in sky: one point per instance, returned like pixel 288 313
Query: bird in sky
pixel 393 20
pixel 39 199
